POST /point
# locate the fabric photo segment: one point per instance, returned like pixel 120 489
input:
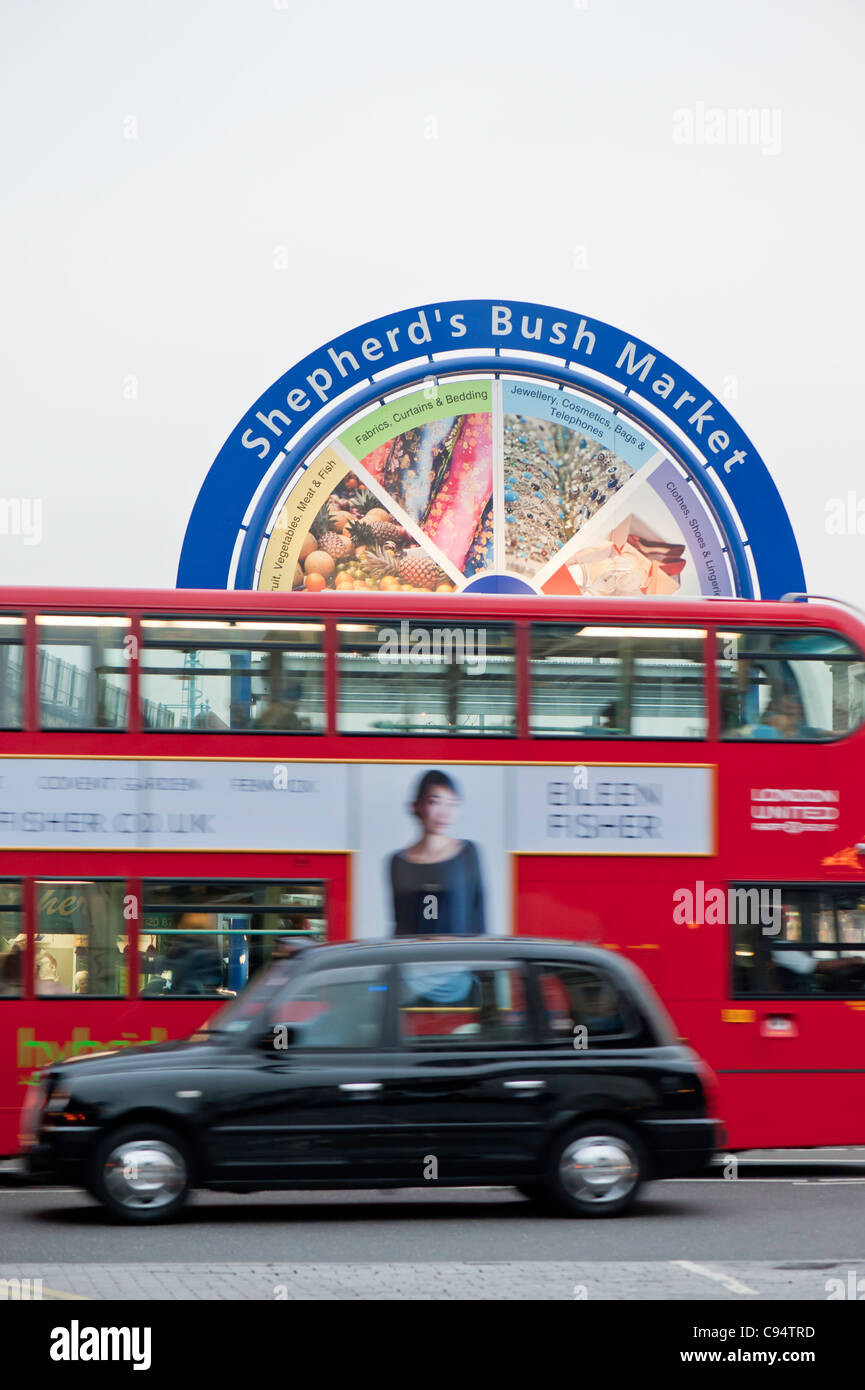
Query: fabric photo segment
pixel 464 491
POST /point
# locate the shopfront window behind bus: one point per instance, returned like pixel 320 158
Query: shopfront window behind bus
pixel 199 938
pixel 81 941
pixel 11 941
pixel 789 686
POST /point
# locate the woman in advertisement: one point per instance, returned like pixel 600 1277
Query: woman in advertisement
pixel 436 883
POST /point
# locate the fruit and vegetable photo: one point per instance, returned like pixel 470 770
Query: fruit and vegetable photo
pixel 355 543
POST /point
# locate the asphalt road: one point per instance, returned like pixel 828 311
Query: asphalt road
pixel 694 1238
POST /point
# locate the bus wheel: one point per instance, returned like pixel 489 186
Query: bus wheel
pixel 596 1169
pixel 141 1173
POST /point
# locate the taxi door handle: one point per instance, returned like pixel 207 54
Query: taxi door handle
pixel 526 1088
pixel 360 1088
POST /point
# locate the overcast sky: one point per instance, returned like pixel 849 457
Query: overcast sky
pixel 157 157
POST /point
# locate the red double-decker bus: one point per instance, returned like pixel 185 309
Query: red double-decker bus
pixel 187 777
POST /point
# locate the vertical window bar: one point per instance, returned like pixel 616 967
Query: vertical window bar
pixel 522 664
pixel 711 688
pixel 134 721
pixel 133 930
pixel 331 674
pixel 31 675
pixel 29 924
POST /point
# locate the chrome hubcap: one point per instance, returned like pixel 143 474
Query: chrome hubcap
pixel 144 1173
pixel 598 1168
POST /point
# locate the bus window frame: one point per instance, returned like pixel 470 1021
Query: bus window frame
pixel 737 737
pixel 31 930
pixel 34 669
pixel 278 620
pixel 21 910
pixel 708 683
pixel 456 735
pixel 762 996
pixel 135 985
pixel 19 620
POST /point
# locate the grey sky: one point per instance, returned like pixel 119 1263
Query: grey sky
pixel 302 125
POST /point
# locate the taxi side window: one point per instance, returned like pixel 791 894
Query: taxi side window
pixel 462 1004
pixel 333 1008
pixel 583 1007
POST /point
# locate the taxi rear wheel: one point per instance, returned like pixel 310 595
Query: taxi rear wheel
pixel 596 1169
pixel 141 1174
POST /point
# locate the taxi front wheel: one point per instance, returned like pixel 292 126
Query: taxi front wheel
pixel 596 1169
pixel 141 1174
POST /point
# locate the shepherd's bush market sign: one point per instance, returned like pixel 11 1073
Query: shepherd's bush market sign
pixel 484 445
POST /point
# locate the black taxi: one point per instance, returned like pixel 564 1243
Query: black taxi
pixel 465 1061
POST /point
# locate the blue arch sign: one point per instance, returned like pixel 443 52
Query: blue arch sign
pixel 483 445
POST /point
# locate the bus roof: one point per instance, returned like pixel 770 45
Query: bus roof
pixel 440 607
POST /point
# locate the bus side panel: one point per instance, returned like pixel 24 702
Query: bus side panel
pixel 34 1034
pixel 791 1072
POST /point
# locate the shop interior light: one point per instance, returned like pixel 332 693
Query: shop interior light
pixel 66 882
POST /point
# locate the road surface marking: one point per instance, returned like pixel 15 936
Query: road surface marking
pixel 730 1284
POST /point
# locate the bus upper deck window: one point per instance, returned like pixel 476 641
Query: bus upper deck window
pixel 789 685
pixel 617 682
pixel 422 678
pixel 11 671
pixel 226 674
pixel 83 671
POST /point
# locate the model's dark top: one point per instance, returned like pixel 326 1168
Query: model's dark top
pixel 438 899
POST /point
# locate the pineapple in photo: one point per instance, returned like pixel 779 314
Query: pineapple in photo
pixel 333 543
pixel 415 567
pixel 411 566
pixel 378 519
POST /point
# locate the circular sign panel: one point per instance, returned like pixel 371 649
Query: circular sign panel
pixel 490 446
